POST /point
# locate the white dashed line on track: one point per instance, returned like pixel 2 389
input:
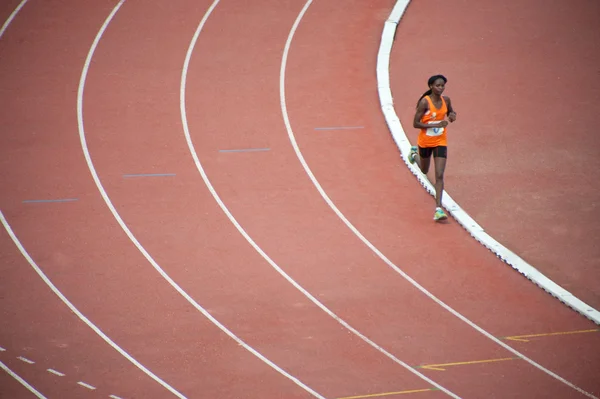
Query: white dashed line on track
pixel 51 371
pixel 58 373
pixel 88 386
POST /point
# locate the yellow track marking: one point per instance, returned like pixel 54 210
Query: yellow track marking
pixel 442 367
pixel 521 338
pixel 389 393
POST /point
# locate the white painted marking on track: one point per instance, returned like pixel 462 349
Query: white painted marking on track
pixel 72 307
pixel 2 349
pixel 251 241
pixel 23 359
pixel 58 373
pixel 128 232
pixel 88 159
pixel 22 381
pixel 88 386
pixel 386 99
pixel 11 17
pixel 398 10
pixel 464 219
pixel 46 280
pixel 114 397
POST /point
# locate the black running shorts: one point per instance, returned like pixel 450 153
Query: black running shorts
pixel 440 151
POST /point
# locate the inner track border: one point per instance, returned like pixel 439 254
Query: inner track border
pixel 462 217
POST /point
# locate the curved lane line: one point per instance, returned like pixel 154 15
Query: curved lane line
pixel 11 17
pixel 377 251
pixel 73 309
pixel 247 236
pixel 5 25
pixel 32 263
pixel 21 381
pixel 128 232
pixel 463 218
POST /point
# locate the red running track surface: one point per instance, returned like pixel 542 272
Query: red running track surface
pixel 133 125
pixel 523 159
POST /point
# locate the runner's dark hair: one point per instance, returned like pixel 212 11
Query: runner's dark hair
pixel 429 83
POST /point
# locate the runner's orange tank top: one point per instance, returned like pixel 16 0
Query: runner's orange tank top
pixel 433 137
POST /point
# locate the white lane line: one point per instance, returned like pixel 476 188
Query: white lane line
pixel 58 373
pixel 22 381
pixel 23 359
pixel 80 90
pixel 76 311
pixel 49 283
pixel 251 241
pixel 114 397
pixel 386 99
pixel 463 218
pixel 126 229
pixel 88 386
pixel 11 17
pixel 402 4
pixel 2 349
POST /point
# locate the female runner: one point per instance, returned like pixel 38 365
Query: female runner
pixel 432 109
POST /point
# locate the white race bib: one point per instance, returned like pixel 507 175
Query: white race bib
pixel 434 131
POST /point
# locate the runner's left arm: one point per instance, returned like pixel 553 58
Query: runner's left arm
pixel 451 112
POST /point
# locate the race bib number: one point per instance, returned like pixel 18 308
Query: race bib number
pixel 434 131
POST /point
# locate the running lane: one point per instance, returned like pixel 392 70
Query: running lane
pixel 361 171
pixel 12 388
pixel 49 346
pixel 41 59
pixel 145 166
pixel 80 246
pixel 523 163
pixel 6 9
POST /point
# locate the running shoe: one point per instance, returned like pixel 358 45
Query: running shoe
pixel 439 215
pixel 412 154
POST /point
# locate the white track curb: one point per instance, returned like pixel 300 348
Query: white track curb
pixel 463 218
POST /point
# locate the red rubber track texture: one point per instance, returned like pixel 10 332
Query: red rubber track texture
pixel 522 162
pixel 217 267
pixel 39 328
pixel 246 177
pixel 37 325
pixel 358 146
pixel 8 9
pixel 168 230
pixel 82 250
pixel 13 385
